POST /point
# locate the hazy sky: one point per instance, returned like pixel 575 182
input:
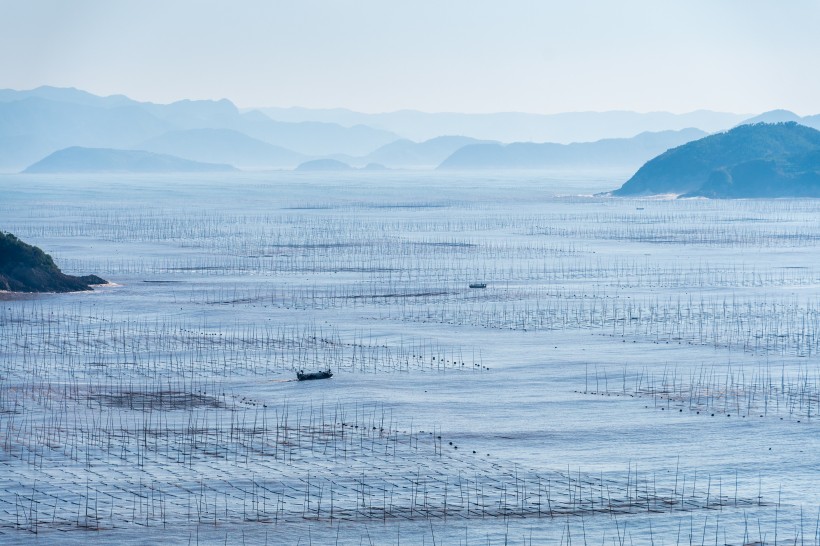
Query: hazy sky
pixel 433 55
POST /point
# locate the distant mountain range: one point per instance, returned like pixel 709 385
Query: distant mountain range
pixel 105 160
pixel 563 128
pixel 618 152
pixel 757 160
pixel 38 122
pixel 405 153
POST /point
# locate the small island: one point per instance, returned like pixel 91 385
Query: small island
pixel 26 268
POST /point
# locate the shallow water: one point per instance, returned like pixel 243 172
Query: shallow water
pixel 635 372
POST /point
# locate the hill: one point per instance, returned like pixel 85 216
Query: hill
pixel 773 116
pixel 26 268
pixel 222 146
pixel 105 160
pixel 725 162
pixel 311 138
pixel 405 153
pixel 622 152
pixel 784 116
pixel 34 127
pixel 308 138
pixel 790 176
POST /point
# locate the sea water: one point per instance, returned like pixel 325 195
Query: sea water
pixel 636 371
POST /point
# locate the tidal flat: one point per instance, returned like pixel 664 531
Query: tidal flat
pixel 636 371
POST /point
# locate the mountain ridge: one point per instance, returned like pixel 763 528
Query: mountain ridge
pixel 622 153
pixel 744 161
pixel 38 122
pixel 561 128
pixel 222 146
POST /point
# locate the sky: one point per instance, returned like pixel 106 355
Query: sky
pixel 544 56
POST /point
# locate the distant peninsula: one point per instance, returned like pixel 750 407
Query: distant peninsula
pixel 77 159
pixel 757 160
pixel 26 268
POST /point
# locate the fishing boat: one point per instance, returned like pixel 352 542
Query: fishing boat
pixel 302 376
pixel 478 285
